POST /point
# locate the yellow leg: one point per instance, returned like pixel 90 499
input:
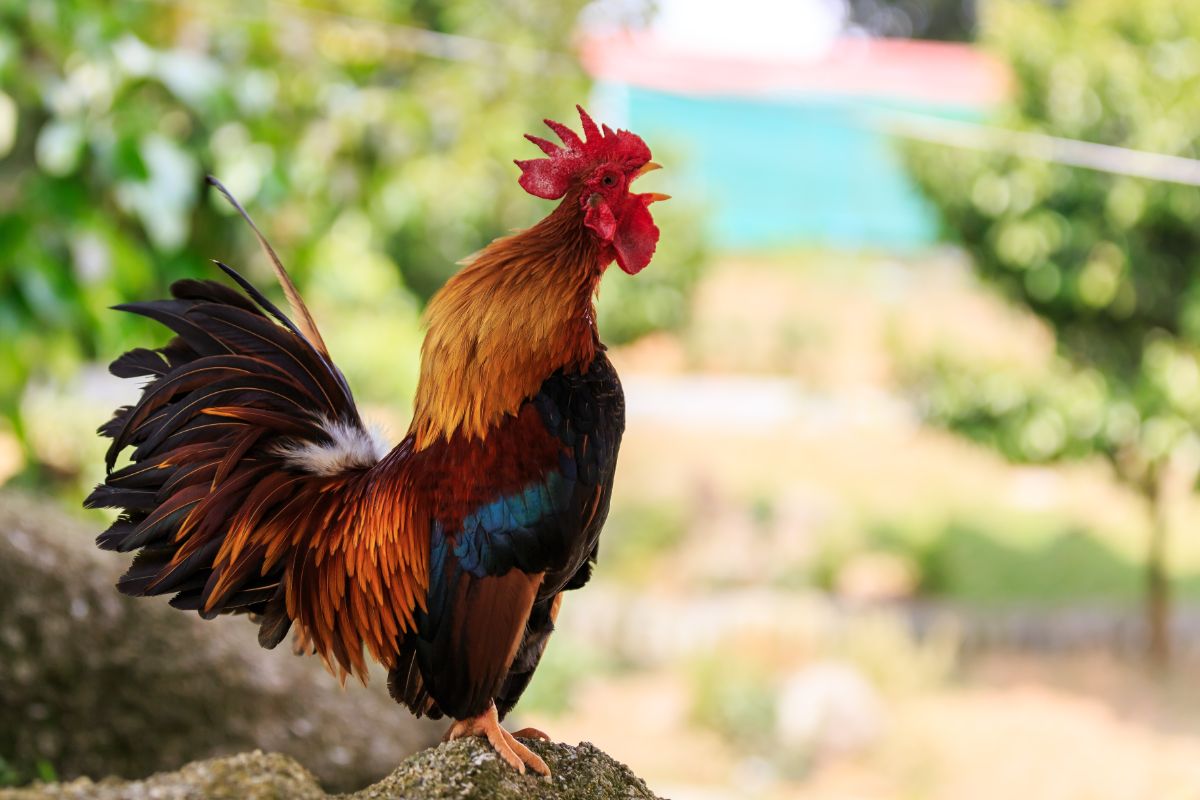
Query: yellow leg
pixel 488 726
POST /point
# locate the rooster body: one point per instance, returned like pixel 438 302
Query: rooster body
pixel 255 488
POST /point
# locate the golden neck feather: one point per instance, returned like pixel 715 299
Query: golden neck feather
pixel 517 311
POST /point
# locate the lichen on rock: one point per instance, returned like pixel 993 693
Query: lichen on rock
pixel 467 769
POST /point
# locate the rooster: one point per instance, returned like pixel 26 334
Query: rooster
pixel 254 487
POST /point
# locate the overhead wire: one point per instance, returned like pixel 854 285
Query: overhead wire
pixel 1042 147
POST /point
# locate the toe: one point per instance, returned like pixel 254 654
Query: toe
pixel 517 755
pixel 532 759
pixel 532 733
pixel 499 741
pixel 536 763
pixel 458 730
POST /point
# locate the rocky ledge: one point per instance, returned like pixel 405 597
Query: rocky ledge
pixel 463 770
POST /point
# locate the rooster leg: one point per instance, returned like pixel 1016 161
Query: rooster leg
pixel 532 733
pixel 488 726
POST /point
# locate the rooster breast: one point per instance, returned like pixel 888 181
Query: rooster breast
pixel 518 523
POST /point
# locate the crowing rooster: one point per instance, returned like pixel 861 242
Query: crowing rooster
pixel 255 488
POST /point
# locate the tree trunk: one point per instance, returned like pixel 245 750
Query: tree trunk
pixel 1169 483
pixel 1158 587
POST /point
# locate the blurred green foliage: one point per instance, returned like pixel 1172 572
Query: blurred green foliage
pixel 1111 263
pixel 1063 412
pixel 639 536
pixel 735 695
pixel 9 776
pixel 563 670
pixel 975 562
pixel 373 141
pixel 995 556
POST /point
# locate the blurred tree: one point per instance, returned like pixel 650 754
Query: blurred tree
pixel 1111 263
pixel 373 138
pixel 945 20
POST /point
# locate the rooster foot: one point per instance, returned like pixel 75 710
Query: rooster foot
pixel 488 726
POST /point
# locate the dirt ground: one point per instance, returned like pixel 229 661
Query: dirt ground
pixel 1077 728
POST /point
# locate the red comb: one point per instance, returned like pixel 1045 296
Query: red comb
pixel 550 177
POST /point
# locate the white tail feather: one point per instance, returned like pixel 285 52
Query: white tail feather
pixel 351 447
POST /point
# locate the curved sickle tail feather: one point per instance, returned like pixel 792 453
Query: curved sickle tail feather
pixel 307 324
pixel 253 486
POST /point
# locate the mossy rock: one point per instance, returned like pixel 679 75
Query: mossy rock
pixel 96 683
pixel 467 769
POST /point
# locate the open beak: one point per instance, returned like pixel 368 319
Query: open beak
pixel 651 197
pixel 649 166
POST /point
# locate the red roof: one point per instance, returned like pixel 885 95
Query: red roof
pixel 932 72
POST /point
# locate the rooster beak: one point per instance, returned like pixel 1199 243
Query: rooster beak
pixel 649 166
pixel 654 197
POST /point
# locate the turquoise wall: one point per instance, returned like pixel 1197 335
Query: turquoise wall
pixel 810 170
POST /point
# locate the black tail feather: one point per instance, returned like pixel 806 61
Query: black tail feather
pixel 222 395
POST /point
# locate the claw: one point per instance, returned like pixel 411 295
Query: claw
pixel 505 744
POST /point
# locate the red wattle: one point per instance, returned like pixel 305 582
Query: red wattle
pixel 636 237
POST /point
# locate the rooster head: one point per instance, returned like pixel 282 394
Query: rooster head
pixel 599 169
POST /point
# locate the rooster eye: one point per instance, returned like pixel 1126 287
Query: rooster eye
pixel 608 180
